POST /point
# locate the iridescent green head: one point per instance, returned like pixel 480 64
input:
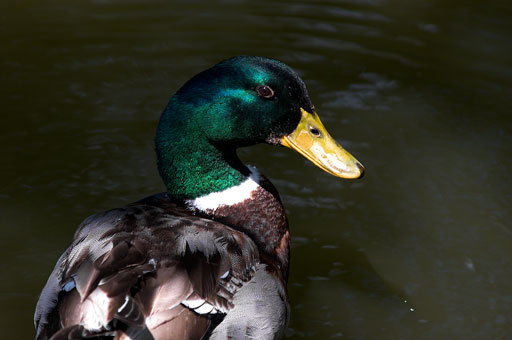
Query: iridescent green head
pixel 238 102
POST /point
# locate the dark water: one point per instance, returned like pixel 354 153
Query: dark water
pixel 420 92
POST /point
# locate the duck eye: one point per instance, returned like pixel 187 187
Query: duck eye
pixel 265 91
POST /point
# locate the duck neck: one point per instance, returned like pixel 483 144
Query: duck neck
pixel 199 170
pixel 189 164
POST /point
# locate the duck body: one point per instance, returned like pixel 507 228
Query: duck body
pixel 157 267
pixel 209 258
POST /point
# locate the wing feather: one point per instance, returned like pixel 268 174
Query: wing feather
pixel 135 268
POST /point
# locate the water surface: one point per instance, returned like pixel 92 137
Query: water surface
pixel 420 248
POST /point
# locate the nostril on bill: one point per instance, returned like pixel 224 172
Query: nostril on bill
pixel 314 132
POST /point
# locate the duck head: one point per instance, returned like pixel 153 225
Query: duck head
pixel 239 102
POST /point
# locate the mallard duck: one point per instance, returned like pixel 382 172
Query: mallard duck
pixel 207 259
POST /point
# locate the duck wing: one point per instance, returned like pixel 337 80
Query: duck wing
pixel 142 271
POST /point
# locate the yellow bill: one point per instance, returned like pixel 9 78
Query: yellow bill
pixel 312 140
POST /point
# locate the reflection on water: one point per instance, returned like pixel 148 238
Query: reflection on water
pixel 419 92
